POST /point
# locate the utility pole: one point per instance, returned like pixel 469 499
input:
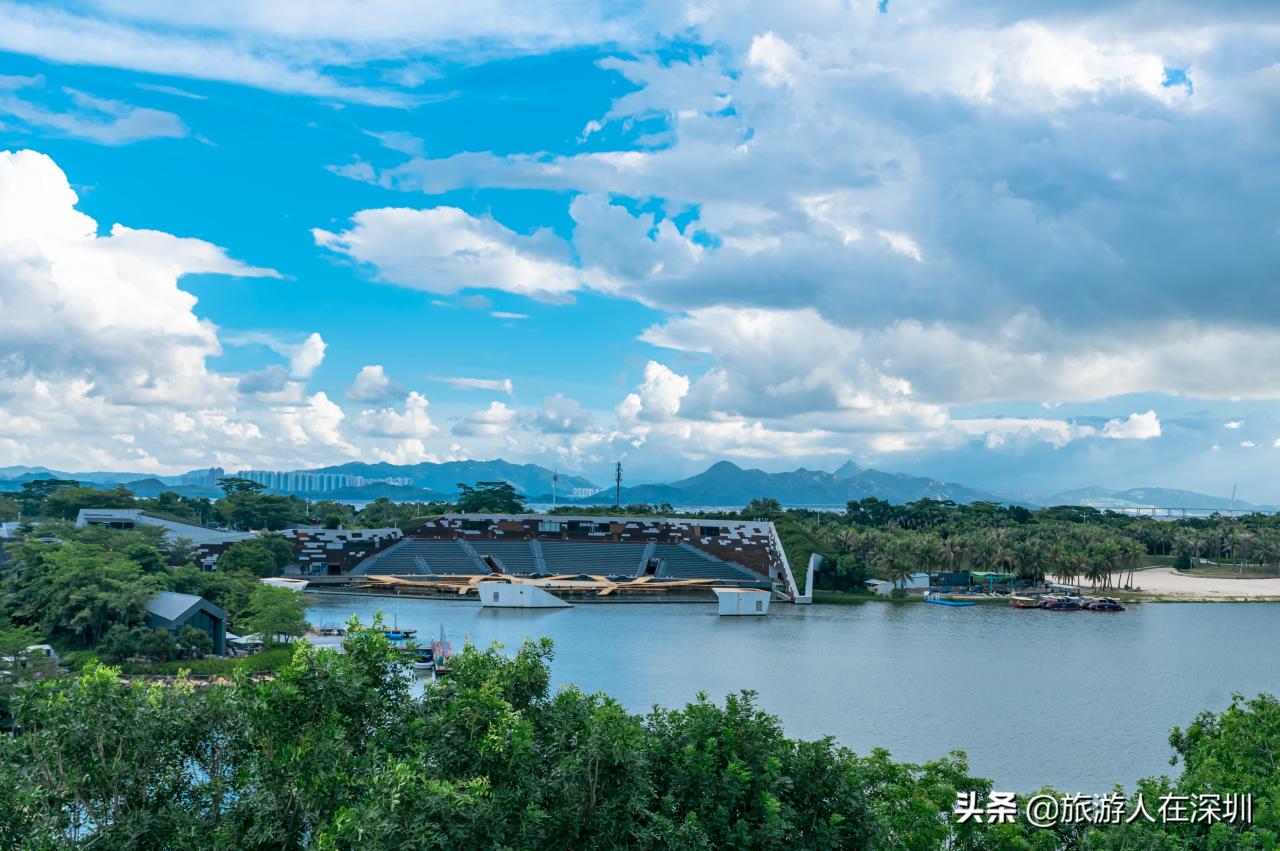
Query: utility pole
pixel 555 480
pixel 617 485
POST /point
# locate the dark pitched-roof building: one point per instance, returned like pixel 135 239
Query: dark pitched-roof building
pixel 172 611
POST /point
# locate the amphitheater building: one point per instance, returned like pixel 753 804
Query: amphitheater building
pixel 655 551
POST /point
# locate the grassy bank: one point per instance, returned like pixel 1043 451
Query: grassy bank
pixel 1231 571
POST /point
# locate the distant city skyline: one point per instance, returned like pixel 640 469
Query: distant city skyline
pixel 1026 248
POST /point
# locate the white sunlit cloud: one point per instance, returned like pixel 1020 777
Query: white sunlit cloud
pixel 493 420
pixel 412 422
pixel 444 250
pixel 103 358
pixel 304 357
pixel 372 384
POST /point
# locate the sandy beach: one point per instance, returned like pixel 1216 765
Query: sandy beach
pixel 1167 582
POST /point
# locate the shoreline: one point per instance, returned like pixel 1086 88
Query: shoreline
pixel 1167 585
pixel 846 598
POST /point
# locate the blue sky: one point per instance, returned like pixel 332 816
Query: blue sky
pixel 1026 253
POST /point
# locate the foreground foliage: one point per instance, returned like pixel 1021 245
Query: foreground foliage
pixel 335 753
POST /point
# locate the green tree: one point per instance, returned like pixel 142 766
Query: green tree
pixel 246 510
pixel 194 643
pixel 76 591
pixel 32 494
pixel 120 642
pixel 16 665
pixel 277 612
pixel 331 514
pixel 230 590
pixel 235 484
pixel 179 551
pixel 9 509
pixel 264 555
pixel 1234 751
pixel 762 508
pixel 489 498
pixel 197 510
pixel 66 502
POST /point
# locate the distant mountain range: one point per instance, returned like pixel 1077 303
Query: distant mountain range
pixel 442 479
pixel 1152 498
pixel 721 484
pixel 727 484
pixel 26 474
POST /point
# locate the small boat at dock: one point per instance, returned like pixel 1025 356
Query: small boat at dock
pixel 1024 602
pixel 423 657
pixel 1059 604
pixel 1102 604
pixel 938 602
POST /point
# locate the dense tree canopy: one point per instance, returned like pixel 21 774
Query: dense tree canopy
pixel 236 484
pixel 33 494
pixel 66 502
pixel 76 591
pixel 263 555
pixel 336 753
pixel 276 614
pixel 251 510
pixel 489 498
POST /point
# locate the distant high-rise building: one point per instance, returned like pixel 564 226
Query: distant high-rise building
pixel 203 478
pixel 306 482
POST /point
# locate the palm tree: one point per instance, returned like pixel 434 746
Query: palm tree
pixel 1244 548
pixel 982 552
pixel 1133 555
pixel 895 562
pixel 1199 540
pixel 1269 547
pixel 1030 560
pixel 926 551
pixel 953 547
pixel 1097 567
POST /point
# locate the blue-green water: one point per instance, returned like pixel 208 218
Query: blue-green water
pixel 1077 700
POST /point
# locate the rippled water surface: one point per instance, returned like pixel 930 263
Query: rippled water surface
pixel 1077 700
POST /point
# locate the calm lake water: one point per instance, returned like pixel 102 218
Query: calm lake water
pixel 1076 700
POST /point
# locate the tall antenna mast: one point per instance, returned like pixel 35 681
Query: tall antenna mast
pixel 555 480
pixel 617 485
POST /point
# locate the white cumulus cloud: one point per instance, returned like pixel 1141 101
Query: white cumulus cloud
pixel 493 420
pixel 412 422
pixel 372 384
pixel 1135 427
pixel 444 249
